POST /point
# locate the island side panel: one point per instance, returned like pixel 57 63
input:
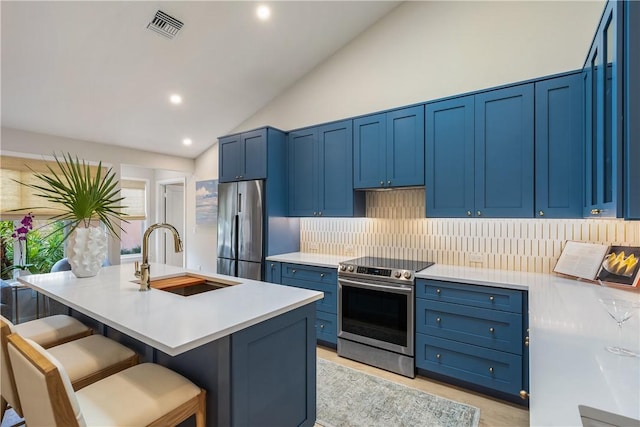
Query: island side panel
pixel 274 371
pixel 209 367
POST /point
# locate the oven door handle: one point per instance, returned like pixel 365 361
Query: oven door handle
pixel 397 289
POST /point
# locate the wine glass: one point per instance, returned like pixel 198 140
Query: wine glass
pixel 620 310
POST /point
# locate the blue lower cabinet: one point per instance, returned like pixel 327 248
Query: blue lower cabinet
pixel 493 329
pixel 327 327
pixel 272 272
pixel 475 335
pixel 320 279
pixel 492 369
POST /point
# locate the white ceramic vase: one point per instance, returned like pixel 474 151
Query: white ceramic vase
pixel 86 251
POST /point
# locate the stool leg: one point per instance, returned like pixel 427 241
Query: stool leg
pixel 3 407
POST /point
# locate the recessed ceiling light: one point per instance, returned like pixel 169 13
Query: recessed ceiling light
pixel 187 141
pixel 263 12
pixel 175 99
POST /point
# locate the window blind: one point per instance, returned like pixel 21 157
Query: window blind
pixel 16 196
pixel 135 199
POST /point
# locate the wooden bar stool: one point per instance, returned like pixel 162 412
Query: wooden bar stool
pixel 144 395
pixel 87 360
pixel 53 330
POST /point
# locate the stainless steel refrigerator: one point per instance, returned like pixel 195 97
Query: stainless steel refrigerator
pixel 240 229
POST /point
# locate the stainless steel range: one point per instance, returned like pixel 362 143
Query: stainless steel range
pixel 376 311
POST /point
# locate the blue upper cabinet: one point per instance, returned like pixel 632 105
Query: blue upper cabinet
pixel 303 172
pixel 504 152
pixel 449 158
pixel 389 149
pixel 480 155
pixel 611 94
pixel 559 147
pixel 370 148
pixel 243 157
pixel 320 172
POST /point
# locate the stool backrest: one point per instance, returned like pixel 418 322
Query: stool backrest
pixel 47 396
pixel 7 381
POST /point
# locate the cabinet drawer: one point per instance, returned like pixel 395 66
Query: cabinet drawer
pixel 493 329
pixel 305 272
pixel 310 278
pixel 472 295
pixel 327 327
pixel 488 368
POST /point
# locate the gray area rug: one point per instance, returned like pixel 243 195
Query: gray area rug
pixel 349 398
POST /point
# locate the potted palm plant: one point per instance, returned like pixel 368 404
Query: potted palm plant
pixel 83 198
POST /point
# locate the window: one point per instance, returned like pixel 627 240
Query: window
pixel 135 200
pixel 42 248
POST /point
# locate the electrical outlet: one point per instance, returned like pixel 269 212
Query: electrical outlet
pixel 313 247
pixel 476 258
pixel 349 250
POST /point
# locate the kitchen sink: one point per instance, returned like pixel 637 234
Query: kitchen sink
pixel 199 288
pixel 188 284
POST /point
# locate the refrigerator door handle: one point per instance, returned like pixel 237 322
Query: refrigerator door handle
pixel 239 202
pixel 234 237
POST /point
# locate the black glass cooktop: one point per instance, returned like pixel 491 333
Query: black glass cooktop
pixel 399 264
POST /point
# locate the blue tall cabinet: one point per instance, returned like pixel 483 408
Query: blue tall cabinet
pixel 389 149
pixel 320 172
pixel 612 106
pixel 511 152
pixel 479 154
pixel 559 147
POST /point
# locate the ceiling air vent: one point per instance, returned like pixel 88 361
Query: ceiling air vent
pixel 165 25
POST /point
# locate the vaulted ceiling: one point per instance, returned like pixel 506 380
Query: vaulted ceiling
pixel 92 70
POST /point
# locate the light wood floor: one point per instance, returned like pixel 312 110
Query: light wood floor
pixel 493 412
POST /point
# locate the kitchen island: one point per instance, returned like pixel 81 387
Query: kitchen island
pixel 250 345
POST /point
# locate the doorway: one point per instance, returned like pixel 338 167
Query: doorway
pixel 172 212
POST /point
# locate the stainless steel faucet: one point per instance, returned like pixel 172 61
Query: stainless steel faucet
pixel 143 271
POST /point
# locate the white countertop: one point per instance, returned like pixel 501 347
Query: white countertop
pixel 569 329
pixel 318 260
pixel 169 322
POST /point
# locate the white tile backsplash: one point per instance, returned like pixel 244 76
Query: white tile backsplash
pixel 395 227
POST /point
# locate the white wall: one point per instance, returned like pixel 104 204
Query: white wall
pixel 424 50
pixel 203 239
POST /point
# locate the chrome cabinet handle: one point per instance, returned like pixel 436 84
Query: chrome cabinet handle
pixel 321 274
pixel 437 291
pixel 491 369
pixel 491 330
pixel 293 271
pixel 596 211
pixel 438 356
pixel 438 320
pixel 524 395
pixel 468 213
pixel 479 213
pixel 541 213
pixel 389 183
pixel 382 183
pixel 491 298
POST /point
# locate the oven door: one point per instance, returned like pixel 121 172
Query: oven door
pixel 376 313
